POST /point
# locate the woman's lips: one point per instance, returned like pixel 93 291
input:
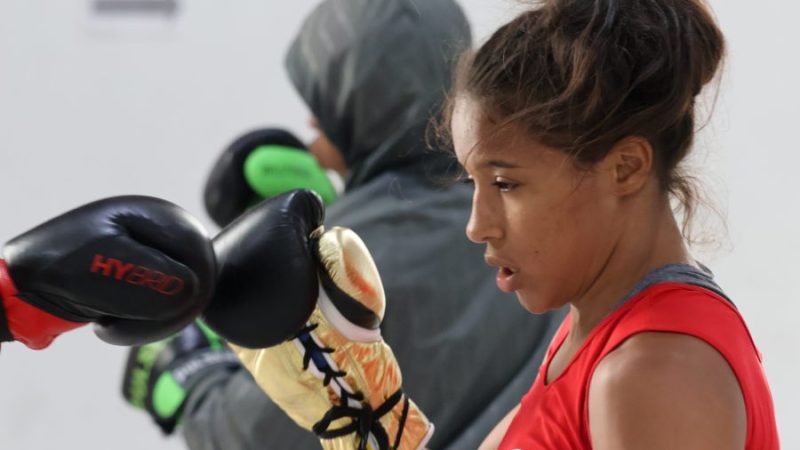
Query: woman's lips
pixel 507 278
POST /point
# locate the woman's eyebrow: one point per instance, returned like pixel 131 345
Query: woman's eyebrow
pixel 499 164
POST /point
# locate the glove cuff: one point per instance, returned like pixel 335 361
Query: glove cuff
pixel 24 322
pixel 5 332
pixel 7 289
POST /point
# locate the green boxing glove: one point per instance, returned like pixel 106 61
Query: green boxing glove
pixel 262 164
pixel 159 376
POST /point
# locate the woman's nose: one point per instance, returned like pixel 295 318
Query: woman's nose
pixel 484 221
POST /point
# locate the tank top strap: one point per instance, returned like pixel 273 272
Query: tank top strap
pixel 691 309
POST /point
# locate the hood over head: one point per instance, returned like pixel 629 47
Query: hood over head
pixel 374 72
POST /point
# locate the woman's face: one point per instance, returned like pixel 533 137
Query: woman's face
pixel 548 227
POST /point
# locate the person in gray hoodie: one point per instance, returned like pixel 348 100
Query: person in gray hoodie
pixel 373 73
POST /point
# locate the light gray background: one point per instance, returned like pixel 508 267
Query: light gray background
pixel 97 107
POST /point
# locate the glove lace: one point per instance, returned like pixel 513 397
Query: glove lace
pixel 365 420
pixel 313 352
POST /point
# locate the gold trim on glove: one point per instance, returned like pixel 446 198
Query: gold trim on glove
pixel 347 261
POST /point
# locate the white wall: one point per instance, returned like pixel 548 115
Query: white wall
pixel 90 109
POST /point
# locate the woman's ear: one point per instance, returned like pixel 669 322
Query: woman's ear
pixel 629 164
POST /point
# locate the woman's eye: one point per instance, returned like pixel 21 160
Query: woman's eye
pixel 504 185
pixel 467 180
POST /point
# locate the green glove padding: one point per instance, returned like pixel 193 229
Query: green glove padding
pixel 274 169
pixel 159 376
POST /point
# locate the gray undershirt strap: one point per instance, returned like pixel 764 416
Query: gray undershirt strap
pixel 677 273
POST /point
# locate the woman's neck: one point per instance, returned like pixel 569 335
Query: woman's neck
pixel 644 245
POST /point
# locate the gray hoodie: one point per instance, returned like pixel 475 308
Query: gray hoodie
pixel 373 72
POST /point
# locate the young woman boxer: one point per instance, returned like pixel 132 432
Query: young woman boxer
pixel 572 122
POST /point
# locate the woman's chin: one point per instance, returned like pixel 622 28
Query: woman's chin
pixel 536 303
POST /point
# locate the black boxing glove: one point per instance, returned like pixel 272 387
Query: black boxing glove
pixel 140 268
pixel 262 164
pixel 267 279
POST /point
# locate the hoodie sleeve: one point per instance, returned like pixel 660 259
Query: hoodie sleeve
pixel 229 411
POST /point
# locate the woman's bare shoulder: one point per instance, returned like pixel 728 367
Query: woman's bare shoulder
pixel 665 390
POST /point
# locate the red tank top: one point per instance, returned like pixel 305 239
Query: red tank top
pixel 556 416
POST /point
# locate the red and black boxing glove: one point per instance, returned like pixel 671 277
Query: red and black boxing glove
pixel 139 268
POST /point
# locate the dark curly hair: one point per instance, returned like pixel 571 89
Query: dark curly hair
pixel 580 75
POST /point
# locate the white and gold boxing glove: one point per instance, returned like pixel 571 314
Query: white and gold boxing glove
pixel 336 376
